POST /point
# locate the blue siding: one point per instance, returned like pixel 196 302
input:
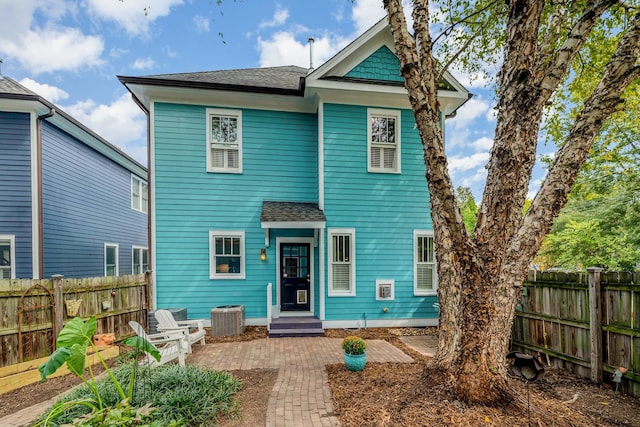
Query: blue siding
pixel 380 65
pixel 15 186
pixel 384 209
pixel 279 163
pixel 87 202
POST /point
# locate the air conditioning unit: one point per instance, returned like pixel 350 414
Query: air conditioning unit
pixel 384 289
pixel 227 320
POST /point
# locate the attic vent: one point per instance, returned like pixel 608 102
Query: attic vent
pixel 384 289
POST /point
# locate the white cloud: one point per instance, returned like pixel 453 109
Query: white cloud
pixel 483 144
pixel 48 46
pixel 116 52
pixel 280 16
pixel 143 64
pixel 471 181
pixel 465 163
pixel 122 123
pixel 365 13
pixel 284 49
pixel 201 23
pixel 471 110
pixel 135 16
pixel 51 93
pixel 54 49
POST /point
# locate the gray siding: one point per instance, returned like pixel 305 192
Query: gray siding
pixel 87 202
pixel 15 186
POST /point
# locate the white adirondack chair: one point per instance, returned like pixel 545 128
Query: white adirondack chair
pixel 193 330
pixel 170 345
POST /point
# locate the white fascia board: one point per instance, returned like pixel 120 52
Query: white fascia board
pixel 222 98
pixel 294 224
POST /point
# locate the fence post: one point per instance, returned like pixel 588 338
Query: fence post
pixel 595 323
pixel 58 315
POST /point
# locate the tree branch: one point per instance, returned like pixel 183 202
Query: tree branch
pixel 619 73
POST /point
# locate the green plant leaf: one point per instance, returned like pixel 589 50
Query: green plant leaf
pixel 76 360
pixel 144 345
pixel 77 331
pixel 52 364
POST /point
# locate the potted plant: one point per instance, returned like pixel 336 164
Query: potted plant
pixel 355 356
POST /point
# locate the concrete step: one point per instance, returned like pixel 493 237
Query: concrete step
pixel 296 332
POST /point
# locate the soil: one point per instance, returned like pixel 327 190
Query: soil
pixel 388 394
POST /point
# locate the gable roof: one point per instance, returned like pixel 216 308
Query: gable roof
pixel 16 97
pixel 366 71
pixel 285 80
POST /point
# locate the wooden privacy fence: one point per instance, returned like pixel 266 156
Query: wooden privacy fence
pixel 584 322
pixel 32 312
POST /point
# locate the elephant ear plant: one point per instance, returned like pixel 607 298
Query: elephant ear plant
pixel 71 348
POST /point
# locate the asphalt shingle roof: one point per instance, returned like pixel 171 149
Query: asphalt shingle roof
pixel 10 86
pixel 285 77
pixel 291 211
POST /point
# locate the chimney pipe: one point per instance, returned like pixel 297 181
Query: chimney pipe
pixel 311 41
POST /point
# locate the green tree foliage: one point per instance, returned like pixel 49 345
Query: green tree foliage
pixel 600 225
pixel 468 208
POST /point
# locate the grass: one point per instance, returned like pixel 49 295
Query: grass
pixel 178 393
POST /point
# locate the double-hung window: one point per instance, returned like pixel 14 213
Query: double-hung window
pixel 110 259
pixel 342 262
pixel 227 260
pixel 7 257
pixel 425 274
pixel 224 140
pixel 140 260
pixel 384 141
pixel 139 194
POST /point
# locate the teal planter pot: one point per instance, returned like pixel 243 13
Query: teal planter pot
pixel 355 362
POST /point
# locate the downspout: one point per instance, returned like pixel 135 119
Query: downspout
pixel 39 120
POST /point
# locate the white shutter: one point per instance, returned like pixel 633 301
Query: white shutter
pixel 389 158
pixel 341 273
pixel 425 277
pixel 375 157
pixel 217 158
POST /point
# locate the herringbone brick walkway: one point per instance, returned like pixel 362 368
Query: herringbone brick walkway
pixel 301 395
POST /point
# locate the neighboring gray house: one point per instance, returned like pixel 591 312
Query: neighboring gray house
pixel 71 203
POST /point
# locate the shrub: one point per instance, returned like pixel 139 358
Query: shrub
pixel 354 345
pixel 179 395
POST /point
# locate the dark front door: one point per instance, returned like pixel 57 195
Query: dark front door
pixel 295 279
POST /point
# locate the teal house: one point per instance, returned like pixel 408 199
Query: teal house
pixel 294 192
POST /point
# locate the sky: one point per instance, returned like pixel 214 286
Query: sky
pixel 70 52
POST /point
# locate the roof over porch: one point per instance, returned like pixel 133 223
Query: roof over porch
pixel 291 215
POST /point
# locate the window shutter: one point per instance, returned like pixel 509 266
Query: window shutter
pixel 375 157
pixel 217 158
pixel 341 275
pixel 425 277
pixel 233 162
pixel 389 158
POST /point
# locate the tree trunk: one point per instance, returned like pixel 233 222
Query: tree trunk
pixel 480 280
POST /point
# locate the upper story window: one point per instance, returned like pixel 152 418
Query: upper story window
pixel 224 140
pixel 140 260
pixel 425 274
pixel 139 194
pixel 7 257
pixel 342 262
pixel 226 255
pixel 384 141
pixel 110 259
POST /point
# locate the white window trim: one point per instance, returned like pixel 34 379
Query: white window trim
pixel 386 113
pixel 133 250
pixel 223 112
pixel 212 267
pixel 136 181
pixel 352 279
pixel 385 282
pixel 113 245
pixel 12 252
pixel 416 291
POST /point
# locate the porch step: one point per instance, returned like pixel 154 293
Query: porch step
pixel 296 327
